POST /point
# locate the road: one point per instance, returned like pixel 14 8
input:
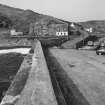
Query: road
pixel 87 70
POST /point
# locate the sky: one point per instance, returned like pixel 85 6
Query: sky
pixel 70 10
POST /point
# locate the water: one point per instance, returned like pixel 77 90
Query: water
pixel 10 61
pixel 3 88
pixel 15 50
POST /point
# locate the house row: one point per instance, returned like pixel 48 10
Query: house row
pixel 49 28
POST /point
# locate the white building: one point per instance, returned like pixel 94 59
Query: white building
pixel 14 33
pixel 89 29
pixel 72 25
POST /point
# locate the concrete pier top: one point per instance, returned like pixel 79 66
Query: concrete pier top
pixel 32 84
pixel 38 89
pixel 83 75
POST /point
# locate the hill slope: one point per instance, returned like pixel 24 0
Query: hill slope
pixel 97 25
pixel 20 19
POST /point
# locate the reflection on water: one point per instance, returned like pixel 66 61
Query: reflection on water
pixel 3 88
pixel 9 66
pixel 17 50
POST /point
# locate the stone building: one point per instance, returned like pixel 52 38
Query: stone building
pixel 52 27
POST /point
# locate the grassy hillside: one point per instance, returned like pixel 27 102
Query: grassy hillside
pixel 97 25
pixel 20 19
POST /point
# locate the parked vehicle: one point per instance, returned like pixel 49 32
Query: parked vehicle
pixel 101 51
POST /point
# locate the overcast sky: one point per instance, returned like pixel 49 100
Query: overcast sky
pixel 71 10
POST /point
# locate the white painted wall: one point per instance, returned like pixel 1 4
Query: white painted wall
pixel 61 33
